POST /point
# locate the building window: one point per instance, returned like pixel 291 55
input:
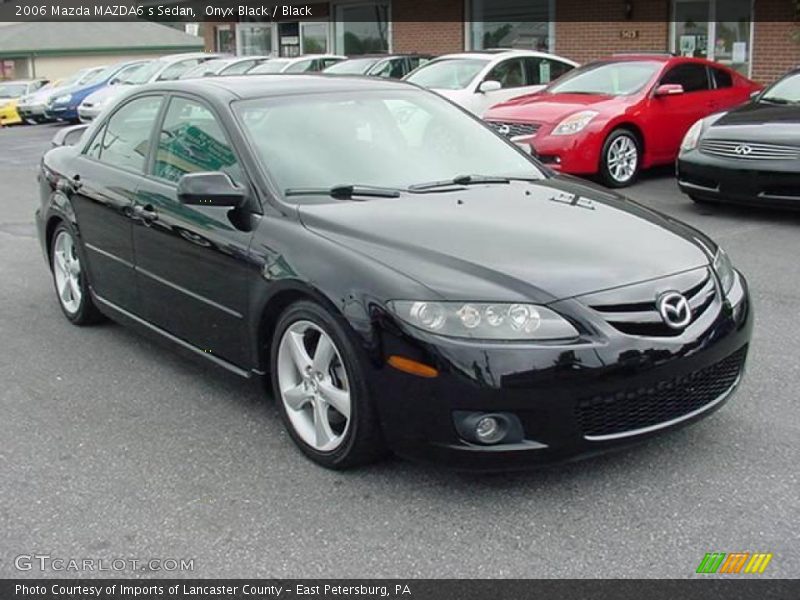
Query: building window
pixel 225 39
pixel 314 38
pixel 511 24
pixel 254 39
pixel 362 28
pixel 714 29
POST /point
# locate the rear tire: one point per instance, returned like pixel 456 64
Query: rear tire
pixel 620 159
pixel 70 278
pixel 321 390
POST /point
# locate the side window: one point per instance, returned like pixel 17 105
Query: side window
pixel 93 151
pixel 126 136
pixel 239 68
pixel 299 67
pixel 693 77
pixel 192 140
pixel 176 70
pixel 541 71
pixel 722 78
pixel 510 73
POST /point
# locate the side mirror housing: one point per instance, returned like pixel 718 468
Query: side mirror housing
pixel 69 136
pixel 669 89
pixel 211 188
pixel 114 81
pixel 756 94
pixel 490 85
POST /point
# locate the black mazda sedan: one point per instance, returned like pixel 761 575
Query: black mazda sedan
pixel 749 155
pixel 404 277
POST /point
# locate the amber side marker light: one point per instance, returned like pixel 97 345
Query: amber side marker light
pixel 412 366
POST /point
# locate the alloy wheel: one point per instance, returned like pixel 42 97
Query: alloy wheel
pixel 67 270
pixel 622 159
pixel 313 386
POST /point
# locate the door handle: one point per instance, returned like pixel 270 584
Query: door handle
pixel 147 213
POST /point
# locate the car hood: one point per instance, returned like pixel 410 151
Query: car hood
pixel 549 108
pixel 542 241
pixel 757 122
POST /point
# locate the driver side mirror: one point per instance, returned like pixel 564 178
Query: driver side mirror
pixel 754 95
pixel 114 81
pixel 669 89
pixel 490 85
pixel 210 188
pixel 69 136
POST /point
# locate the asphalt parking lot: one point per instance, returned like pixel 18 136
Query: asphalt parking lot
pixel 112 446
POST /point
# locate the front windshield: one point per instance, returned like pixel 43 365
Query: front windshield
pixel 88 76
pixel 143 75
pixel 271 66
pixel 785 91
pixel 99 75
pixel 210 67
pixel 392 139
pixel 615 78
pixel 13 90
pixel 356 66
pixel 448 73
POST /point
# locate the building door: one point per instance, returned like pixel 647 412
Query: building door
pixel 289 41
pixel 718 30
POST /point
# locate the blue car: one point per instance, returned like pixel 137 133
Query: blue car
pixel 63 105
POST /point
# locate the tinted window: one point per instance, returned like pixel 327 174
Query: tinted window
pixel 178 69
pixel 723 78
pixel 192 140
pixel 391 68
pixel 693 77
pixel 126 139
pixel 510 73
pixel 541 71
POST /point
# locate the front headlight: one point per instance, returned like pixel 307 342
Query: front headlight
pixel 575 123
pixel 692 137
pixel 63 99
pixel 724 269
pixel 484 320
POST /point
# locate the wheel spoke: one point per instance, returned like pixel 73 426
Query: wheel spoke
pixel 65 291
pixel 299 354
pixel 338 399
pixel 324 354
pixel 74 289
pixel 322 427
pixel 61 261
pixel 296 397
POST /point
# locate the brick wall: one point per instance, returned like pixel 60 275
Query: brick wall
pixel 775 49
pixel 588 30
pixel 441 32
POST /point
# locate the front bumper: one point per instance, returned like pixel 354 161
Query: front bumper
pixel 61 113
pixel 9 115
pixel 88 113
pixel 741 181
pixel 31 111
pixel 572 400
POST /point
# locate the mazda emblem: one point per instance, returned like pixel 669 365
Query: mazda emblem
pixel 674 310
pixel 743 149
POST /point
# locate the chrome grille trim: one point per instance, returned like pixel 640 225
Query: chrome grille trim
pixel 514 129
pixel 749 150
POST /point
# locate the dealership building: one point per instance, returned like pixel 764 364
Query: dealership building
pixel 760 38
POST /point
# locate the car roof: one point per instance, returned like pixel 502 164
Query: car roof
pixel 171 58
pixel 245 87
pixel 502 53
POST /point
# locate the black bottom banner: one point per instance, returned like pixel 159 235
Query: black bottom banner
pixel 397 589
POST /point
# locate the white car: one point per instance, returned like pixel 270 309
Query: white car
pixel 166 68
pixel 479 80
pixel 300 64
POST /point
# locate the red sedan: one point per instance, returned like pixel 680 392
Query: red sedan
pixel 615 116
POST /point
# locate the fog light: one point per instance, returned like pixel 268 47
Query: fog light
pixel 489 430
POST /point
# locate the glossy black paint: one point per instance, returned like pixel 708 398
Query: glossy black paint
pixel 774 183
pixel 213 280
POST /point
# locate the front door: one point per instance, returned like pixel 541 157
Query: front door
pixel 192 261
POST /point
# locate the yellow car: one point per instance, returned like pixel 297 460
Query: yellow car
pixel 10 93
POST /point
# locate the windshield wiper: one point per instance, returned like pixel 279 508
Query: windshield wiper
pixel 345 192
pixel 775 100
pixel 463 180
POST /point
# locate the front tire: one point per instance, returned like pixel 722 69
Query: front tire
pixel 620 159
pixel 70 279
pixel 320 389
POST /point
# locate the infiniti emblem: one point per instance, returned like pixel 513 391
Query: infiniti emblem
pixel 504 129
pixel 743 149
pixel 674 310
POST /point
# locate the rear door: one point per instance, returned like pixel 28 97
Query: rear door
pixel 671 116
pixel 105 181
pixel 191 261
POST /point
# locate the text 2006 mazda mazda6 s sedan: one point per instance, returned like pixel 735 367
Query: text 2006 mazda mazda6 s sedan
pixel 406 278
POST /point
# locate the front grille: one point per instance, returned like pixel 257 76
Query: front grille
pixel 643 318
pixel 631 410
pixel 512 130
pixel 749 150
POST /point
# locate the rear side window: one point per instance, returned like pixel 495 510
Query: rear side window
pixel 722 78
pixel 192 140
pixel 125 140
pixel 692 76
pixel 541 71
